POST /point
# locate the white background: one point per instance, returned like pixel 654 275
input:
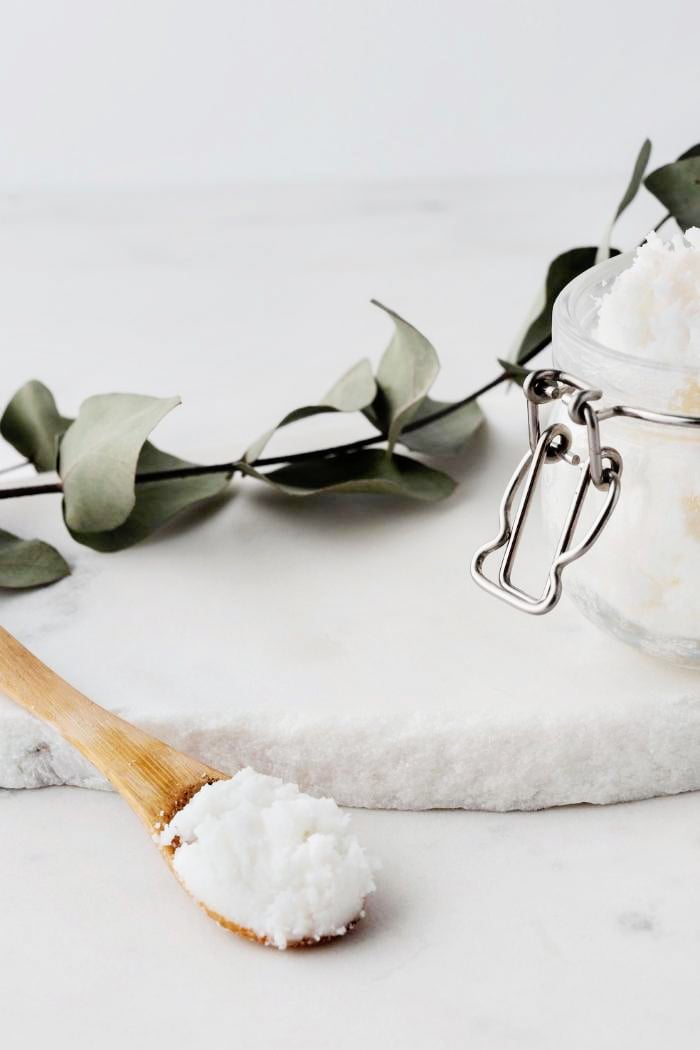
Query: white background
pixel 173 92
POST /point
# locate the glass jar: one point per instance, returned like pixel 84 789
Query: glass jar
pixel 641 579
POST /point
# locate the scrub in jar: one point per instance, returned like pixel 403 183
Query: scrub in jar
pixel 631 327
pixel 652 309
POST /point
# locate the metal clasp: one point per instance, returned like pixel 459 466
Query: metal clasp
pixel 602 469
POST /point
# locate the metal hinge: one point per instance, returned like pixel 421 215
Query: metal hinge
pixel 602 470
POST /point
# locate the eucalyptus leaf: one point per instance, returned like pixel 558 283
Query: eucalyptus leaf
pixel 561 270
pixel 353 392
pixel 98 458
pixel 371 470
pixel 448 435
pixel 515 372
pixel 677 186
pixel 29 563
pixel 156 501
pixel 640 166
pixel 407 370
pixel 32 423
pixel 538 305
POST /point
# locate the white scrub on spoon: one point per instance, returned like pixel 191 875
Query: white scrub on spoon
pixel 269 858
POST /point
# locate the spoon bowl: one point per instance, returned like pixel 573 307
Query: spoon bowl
pixel 155 779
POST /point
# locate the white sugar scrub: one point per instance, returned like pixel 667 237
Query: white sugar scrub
pixel 265 856
pixel 631 327
pixel 653 308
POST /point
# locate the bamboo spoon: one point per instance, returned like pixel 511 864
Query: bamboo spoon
pixel 155 779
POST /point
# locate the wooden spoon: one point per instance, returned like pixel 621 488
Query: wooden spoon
pixel 155 779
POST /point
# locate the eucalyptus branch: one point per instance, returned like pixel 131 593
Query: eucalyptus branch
pixel 396 397
pixel 43 489
pixel 375 439
pixel 661 222
pixel 176 473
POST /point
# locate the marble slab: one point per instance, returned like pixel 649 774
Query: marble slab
pixel 335 642
pixel 574 927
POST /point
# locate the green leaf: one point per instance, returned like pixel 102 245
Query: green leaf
pixel 407 370
pixel 640 166
pixel 32 423
pixel 561 270
pixel 98 458
pixel 515 372
pixel 694 151
pixel 29 563
pixel 353 392
pixel 371 470
pixel 156 501
pixel 448 435
pixel 677 186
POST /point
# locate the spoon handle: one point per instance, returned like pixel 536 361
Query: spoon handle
pixel 153 777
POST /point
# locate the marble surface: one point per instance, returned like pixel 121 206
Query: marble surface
pixel 575 927
pixel 335 642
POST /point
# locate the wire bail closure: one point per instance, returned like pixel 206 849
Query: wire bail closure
pixel 602 469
